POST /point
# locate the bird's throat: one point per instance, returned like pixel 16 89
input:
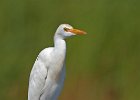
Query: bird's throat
pixel 59 44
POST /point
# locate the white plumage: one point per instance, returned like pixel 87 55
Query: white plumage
pixel 48 72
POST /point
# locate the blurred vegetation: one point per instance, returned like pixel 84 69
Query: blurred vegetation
pixel 103 65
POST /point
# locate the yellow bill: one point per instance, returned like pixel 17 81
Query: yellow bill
pixel 77 31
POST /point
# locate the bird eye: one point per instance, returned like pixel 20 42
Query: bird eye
pixel 66 29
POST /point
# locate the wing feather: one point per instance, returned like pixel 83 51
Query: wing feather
pixel 38 76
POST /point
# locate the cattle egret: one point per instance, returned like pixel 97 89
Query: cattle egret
pixel 48 72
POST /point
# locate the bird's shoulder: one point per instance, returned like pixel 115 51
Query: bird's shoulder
pixel 45 53
pixel 42 61
pixel 46 50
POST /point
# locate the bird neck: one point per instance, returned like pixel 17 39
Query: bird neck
pixel 59 43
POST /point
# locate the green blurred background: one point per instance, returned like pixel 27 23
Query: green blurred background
pixel 102 65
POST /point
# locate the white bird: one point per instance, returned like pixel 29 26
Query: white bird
pixel 48 72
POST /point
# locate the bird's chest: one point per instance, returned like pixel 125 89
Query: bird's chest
pixel 57 68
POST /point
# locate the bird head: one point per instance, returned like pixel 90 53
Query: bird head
pixel 66 30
